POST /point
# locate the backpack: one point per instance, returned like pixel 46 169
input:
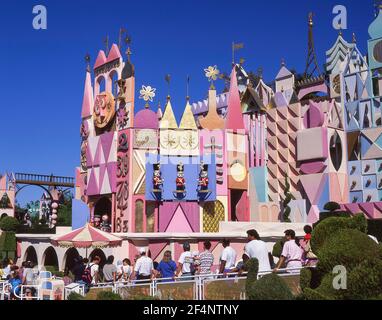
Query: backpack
pixel 87 274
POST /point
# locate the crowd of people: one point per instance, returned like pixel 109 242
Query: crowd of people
pixel 295 254
pixel 16 276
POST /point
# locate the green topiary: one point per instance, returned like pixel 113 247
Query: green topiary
pixel 364 281
pixel 270 287
pixel 330 226
pixel 8 241
pixel 278 248
pixel 287 200
pixel 348 248
pixel 252 266
pixel 75 296
pixel 108 295
pixel 332 206
pixel 310 278
pixel 9 224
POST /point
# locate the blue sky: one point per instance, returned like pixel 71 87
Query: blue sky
pixel 43 71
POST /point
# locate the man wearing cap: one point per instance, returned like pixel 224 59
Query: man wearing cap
pixel 291 254
pixel 144 268
pixel 185 262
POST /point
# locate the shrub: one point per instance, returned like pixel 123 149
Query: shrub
pixel 310 278
pixel 252 266
pixel 8 241
pixel 75 296
pixel 270 287
pixel 108 295
pixel 348 247
pixel 330 226
pixel 278 248
pixel 364 281
pixel 9 224
pixel 332 206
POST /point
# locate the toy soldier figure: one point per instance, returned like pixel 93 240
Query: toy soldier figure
pixel 203 177
pixel 180 181
pixel 157 179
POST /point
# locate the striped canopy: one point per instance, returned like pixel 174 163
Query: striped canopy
pixel 87 237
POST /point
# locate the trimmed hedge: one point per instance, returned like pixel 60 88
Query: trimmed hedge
pixel 348 247
pixel 270 287
pixel 9 224
pixel 75 296
pixel 8 241
pixel 330 226
pixel 108 295
pixel 252 266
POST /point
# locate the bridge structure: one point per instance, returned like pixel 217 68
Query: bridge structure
pixel 23 180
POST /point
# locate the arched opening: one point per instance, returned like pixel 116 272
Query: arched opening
pixel 49 259
pixel 31 255
pixel 213 213
pixel 336 151
pixel 103 208
pixel 100 85
pixel 69 258
pixel 150 217
pixel 139 216
pixel 113 85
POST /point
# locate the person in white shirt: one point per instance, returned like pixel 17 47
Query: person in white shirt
pixel 144 267
pixel 185 262
pixel 256 248
pixel 94 269
pixel 227 258
pixel 291 254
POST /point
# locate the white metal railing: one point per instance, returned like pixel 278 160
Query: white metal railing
pixel 199 281
pixel 5 290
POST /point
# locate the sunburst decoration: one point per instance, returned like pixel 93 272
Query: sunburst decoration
pixel 212 73
pixel 147 93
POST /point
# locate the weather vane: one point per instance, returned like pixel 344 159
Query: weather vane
pixel 128 43
pixel 212 73
pixel 147 93
pixel 121 32
pixel 188 87
pixel 167 78
pixel 106 42
pixel 87 60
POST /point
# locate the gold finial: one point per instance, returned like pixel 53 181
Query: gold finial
pixel 260 72
pixel 188 88
pixel 121 32
pixel 354 38
pixel 167 78
pixel 128 50
pixel 282 62
pixel 87 60
pixel 310 19
pixel 340 33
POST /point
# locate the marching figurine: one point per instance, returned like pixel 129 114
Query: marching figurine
pixel 203 177
pixel 157 179
pixel 180 181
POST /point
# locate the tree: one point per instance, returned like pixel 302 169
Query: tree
pixel 9 224
pixel 288 198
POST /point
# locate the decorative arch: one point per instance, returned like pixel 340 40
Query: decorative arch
pixel 49 258
pixel 100 85
pixel 34 185
pixel 213 213
pixel 69 258
pixel 31 255
pixel 111 83
pixel 139 205
pixel 103 206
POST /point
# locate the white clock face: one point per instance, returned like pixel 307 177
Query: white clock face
pixel 169 140
pixel 189 140
pixel 238 172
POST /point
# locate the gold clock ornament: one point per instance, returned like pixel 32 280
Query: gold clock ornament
pixel 189 141
pixel 170 140
pixel 104 109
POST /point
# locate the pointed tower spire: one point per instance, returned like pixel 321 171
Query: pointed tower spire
pixel 234 119
pixel 188 120
pixel 168 120
pixel 87 101
pixel 159 112
pixel 312 67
